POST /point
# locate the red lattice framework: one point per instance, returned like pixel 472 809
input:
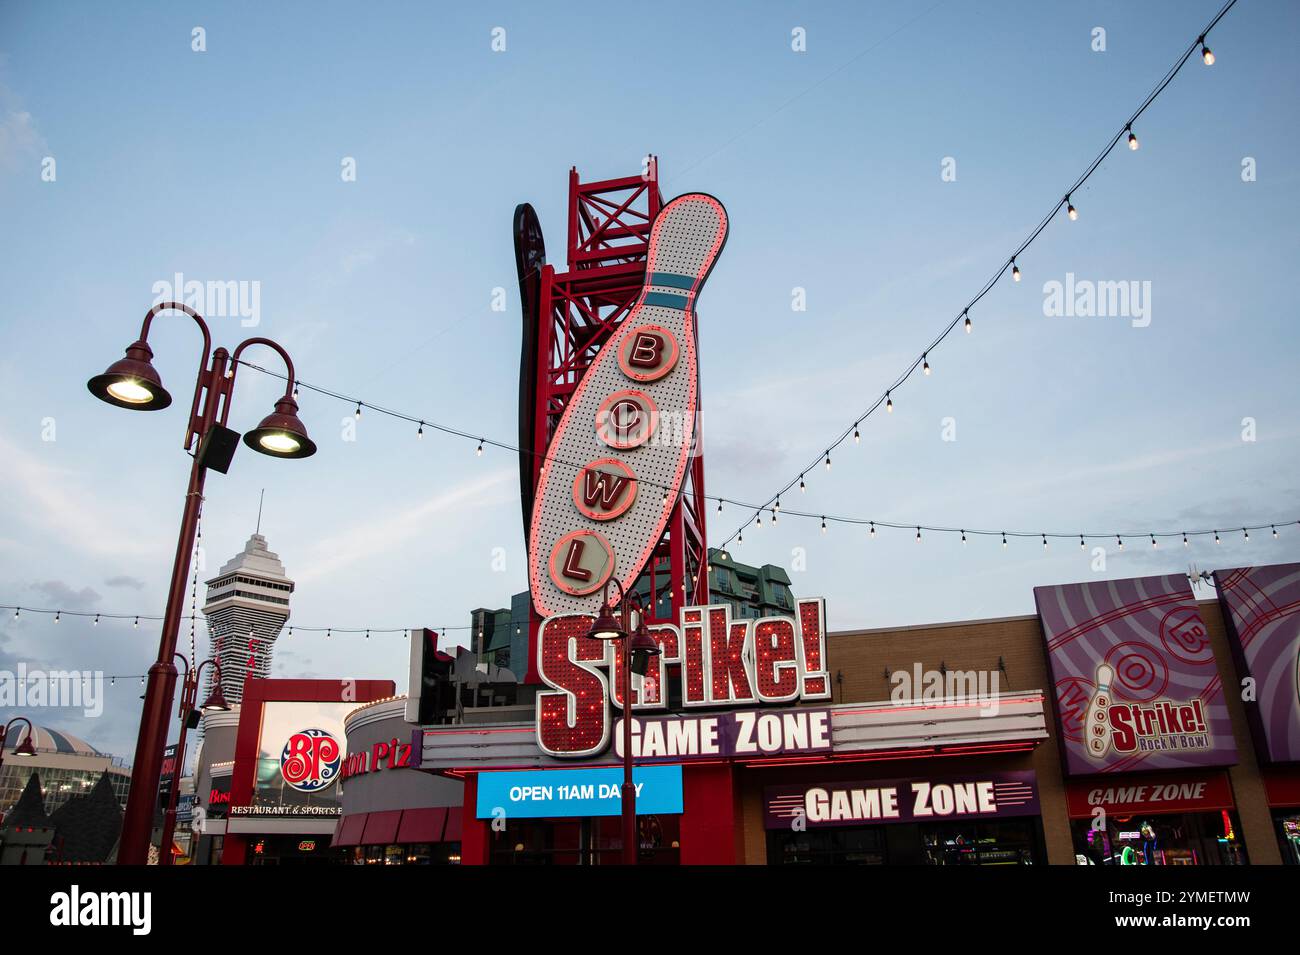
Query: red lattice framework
pixel 567 317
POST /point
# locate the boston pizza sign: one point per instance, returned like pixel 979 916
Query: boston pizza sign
pixel 627 432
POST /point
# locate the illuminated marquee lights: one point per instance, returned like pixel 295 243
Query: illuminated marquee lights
pixel 723 663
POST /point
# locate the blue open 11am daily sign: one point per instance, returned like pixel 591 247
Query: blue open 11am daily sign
pixel 577 792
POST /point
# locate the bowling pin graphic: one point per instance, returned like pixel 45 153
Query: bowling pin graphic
pixel 1096 722
pixel 617 459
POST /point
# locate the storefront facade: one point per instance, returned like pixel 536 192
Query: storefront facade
pixel 393 814
pixel 285 801
pixel 948 744
pixel 965 743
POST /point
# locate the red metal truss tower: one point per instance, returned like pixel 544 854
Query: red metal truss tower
pixel 567 317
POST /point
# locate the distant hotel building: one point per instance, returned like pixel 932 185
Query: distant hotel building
pixel 246 607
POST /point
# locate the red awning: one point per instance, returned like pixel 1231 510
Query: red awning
pixel 452 832
pixel 421 825
pixel 381 828
pixel 349 828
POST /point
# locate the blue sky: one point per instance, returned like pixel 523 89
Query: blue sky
pixel 225 166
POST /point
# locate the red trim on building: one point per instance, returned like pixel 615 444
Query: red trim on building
pixel 1282 785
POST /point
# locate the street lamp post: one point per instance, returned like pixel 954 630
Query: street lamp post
pixel 638 648
pixel 133 383
pixel 24 748
pixel 189 719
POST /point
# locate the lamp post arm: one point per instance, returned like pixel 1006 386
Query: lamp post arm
pixel 194 427
pixel 234 367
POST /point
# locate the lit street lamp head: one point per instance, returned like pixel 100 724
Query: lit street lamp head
pixel 282 433
pixel 25 748
pixel 216 700
pixel 132 382
pixel 607 626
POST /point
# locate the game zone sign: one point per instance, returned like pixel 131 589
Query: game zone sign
pixel 720 662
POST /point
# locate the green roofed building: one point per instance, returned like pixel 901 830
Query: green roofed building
pixel 750 591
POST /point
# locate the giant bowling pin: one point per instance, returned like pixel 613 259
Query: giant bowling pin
pixel 1097 720
pixel 628 431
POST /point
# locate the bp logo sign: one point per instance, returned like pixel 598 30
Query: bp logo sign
pixel 310 760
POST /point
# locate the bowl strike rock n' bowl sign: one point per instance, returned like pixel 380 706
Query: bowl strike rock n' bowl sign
pixel 616 462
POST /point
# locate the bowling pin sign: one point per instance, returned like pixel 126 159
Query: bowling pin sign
pixel 619 454
pixel 1097 720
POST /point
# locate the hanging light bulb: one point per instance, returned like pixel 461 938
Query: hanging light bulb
pixel 1185 544
pixel 16 609
pixel 966 312
pixel 1154 545
pixel 1070 211
pixel 758 520
pixel 925 364
pixel 328 633
pixel 1082 545
pixel 57 614
pixel 1206 54
pixel 963 537
pixel 889 403
pixel 1044 542
pixel 740 539
pixel 1132 138
pixel 802 487
pixel 1120 540
pixel 1015 271
pixel 1216 537
pixel 1004 538
pixel 774 515
pixel 419 432
pixel 358 411
pixel 719 505
pixel 295 391
pixel 192 626
pixel 1274 531
pixel 368 634
pixel 778 503
pixel 872 532
pixel 828 460
pixel 857 438
pixel 823 525
pixel 1246 533
pixel 137 623
pixel 291 631
pixel 918 535
pixel 479 452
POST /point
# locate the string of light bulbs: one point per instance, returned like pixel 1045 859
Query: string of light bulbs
pixel 1010 265
pixel 773 504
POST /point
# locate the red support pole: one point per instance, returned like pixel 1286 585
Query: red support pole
pixel 137 822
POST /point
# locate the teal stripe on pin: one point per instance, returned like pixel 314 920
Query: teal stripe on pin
pixel 672 280
pixel 667 300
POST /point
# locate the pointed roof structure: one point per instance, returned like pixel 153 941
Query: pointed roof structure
pixel 29 811
pixel 88 826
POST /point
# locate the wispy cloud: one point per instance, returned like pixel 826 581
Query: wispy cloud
pixel 375 535
pixel 20 142
pixel 60 506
